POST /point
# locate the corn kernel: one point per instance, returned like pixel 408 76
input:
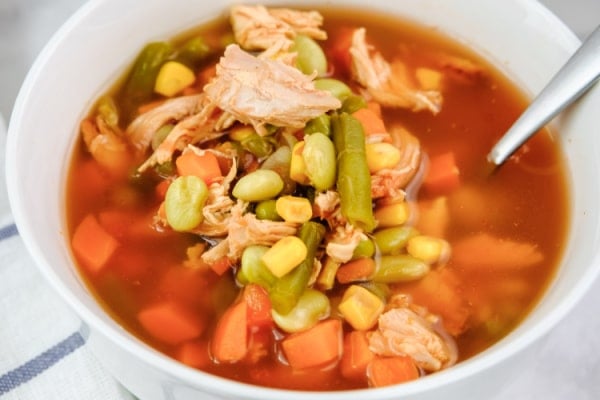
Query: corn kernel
pixel 297 165
pixel 360 307
pixel 392 215
pixel 427 248
pixel 294 209
pixel 429 79
pixel 382 156
pixel 241 132
pixel 172 78
pixel 285 255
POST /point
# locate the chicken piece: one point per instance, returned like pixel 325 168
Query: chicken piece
pixel 326 205
pixel 245 230
pixel 408 330
pixel 259 92
pixel 391 182
pixel 141 130
pixel 341 245
pixel 195 129
pixel 259 28
pixel 106 144
pixel 387 83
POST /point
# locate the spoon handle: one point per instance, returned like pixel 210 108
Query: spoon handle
pixel 572 80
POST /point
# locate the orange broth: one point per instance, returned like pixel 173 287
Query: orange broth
pixel 526 200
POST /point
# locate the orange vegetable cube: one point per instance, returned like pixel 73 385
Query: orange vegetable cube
pixel 315 347
pixel 171 322
pixel 93 244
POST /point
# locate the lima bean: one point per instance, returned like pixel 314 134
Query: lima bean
pixel 184 202
pixel 253 270
pixel 392 241
pixel 319 158
pixel 399 268
pixel 259 185
pixel 311 57
pixel 311 307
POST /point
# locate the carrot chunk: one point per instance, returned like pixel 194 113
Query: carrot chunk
pixel 171 322
pixel 194 353
pixel 385 371
pixel 357 270
pixel 315 347
pixel 356 357
pixel 443 175
pixel 204 166
pixel 230 340
pixel 371 122
pixel 259 306
pixel 93 244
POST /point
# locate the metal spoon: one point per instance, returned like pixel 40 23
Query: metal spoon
pixel 575 78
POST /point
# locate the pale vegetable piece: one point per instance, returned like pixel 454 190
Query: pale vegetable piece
pixel 311 307
pixel 311 58
pixel 172 78
pixel 360 307
pixel 319 160
pixel 428 248
pixel 285 255
pixel 262 184
pixel 392 215
pixel 184 201
pixel 297 165
pixel 294 209
pixel 382 156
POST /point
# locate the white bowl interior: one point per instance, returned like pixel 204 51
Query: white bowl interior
pixel 100 41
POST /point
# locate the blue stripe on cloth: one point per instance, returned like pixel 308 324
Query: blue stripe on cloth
pixel 41 363
pixel 8 231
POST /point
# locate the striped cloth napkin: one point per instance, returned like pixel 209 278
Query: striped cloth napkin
pixel 42 353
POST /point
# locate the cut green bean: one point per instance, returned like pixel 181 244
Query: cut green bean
pixel 266 210
pixel 284 294
pixel 194 51
pixel 258 145
pixel 184 201
pixel 319 158
pixel 391 241
pixel 399 268
pixel 353 176
pixel 259 185
pixel 321 124
pixel 253 270
pixel 312 306
pixel 353 103
pixel 311 57
pixel 337 88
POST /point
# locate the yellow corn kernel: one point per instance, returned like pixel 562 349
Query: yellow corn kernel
pixel 429 79
pixel 294 209
pixel 427 248
pixel 172 78
pixel 284 255
pixel 360 307
pixel 382 156
pixel 241 132
pixel 297 165
pixel 392 215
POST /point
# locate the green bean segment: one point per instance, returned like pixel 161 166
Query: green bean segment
pixel 391 241
pixel 319 157
pixel 108 110
pixel 353 103
pixel 311 57
pixel 253 270
pixel 311 307
pixel 353 176
pixel 399 268
pixel 321 124
pixel 184 201
pixel 194 51
pixel 262 184
pixel 286 292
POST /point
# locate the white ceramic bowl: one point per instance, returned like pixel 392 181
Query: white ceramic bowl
pixel 95 46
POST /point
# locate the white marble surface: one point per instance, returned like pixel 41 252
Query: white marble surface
pixel 566 362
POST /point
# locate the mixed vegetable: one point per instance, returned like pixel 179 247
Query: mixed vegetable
pixel 291 181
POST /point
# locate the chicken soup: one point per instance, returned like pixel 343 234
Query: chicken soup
pixel 292 199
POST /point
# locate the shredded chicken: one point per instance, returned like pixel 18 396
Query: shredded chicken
pixel 259 28
pixel 141 130
pixel 106 144
pixel 409 330
pixel 259 92
pixel 387 83
pixel 326 205
pixel 245 229
pixel 342 243
pixel 391 182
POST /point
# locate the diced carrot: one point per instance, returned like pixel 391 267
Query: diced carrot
pixel 161 188
pixel 144 108
pixel 340 51
pixel 385 371
pixel 356 357
pixel 171 322
pixel 185 285
pixel 93 244
pixel 356 270
pixel 484 251
pixel 443 175
pixel 194 353
pixel 230 339
pixel 315 347
pixel 204 166
pixel 221 266
pixel 375 107
pixel 371 122
pixel 259 306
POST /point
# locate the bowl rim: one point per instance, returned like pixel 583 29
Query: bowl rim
pixel 212 383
